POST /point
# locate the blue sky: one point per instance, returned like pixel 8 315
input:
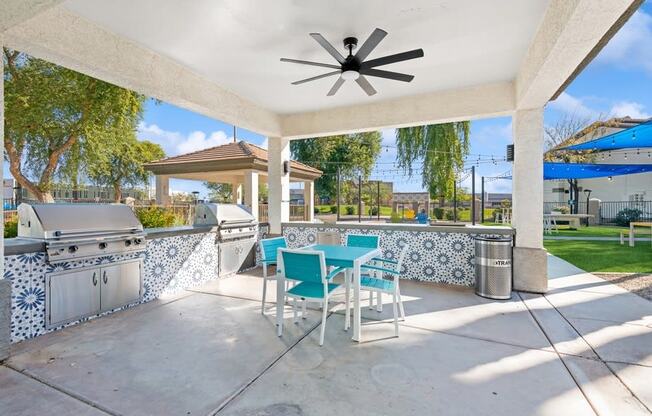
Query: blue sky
pixel 617 83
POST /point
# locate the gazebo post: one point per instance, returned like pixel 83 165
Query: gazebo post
pixel 162 190
pixel 309 200
pixel 278 152
pixel 251 191
pixel 236 192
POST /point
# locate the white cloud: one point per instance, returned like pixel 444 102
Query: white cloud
pixel 630 47
pixel 175 143
pixel 629 108
pixel 569 104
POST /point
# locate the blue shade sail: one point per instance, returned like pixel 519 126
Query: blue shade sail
pixel 552 170
pixel 637 137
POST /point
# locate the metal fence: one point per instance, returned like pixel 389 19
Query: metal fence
pixel 609 210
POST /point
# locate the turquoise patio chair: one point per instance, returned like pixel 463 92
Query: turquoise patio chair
pixel 308 268
pixel 268 252
pixel 368 241
pixel 390 268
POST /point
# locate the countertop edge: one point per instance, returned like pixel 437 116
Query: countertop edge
pixel 409 227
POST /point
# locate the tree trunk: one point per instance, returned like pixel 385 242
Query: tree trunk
pixel 117 192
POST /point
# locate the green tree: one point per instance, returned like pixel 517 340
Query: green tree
pixel 219 192
pixel 119 163
pixel 441 148
pixel 354 154
pixel 54 116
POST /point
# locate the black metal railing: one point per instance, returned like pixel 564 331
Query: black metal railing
pixel 609 210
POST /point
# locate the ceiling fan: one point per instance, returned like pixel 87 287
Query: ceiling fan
pixel 354 67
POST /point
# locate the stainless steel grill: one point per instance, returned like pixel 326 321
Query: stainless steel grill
pixel 236 233
pixel 80 231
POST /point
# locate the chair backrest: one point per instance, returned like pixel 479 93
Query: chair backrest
pixel 269 247
pixel 302 265
pixel 329 237
pixel 363 240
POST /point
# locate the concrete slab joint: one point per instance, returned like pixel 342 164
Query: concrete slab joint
pixel 530 269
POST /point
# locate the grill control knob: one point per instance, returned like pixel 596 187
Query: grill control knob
pixel 102 246
pixel 73 249
pixel 137 241
pixel 127 243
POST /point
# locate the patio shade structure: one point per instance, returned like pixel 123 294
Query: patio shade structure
pixel 637 137
pixel 552 170
pixel 513 57
pixel 240 164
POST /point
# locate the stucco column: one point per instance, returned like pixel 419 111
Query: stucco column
pixel 278 151
pixel 5 284
pixel 236 193
pixel 162 189
pixel 309 200
pixel 530 263
pixel 251 191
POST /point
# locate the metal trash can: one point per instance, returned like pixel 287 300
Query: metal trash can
pixel 493 267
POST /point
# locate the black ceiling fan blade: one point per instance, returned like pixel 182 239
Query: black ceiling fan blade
pixel 370 44
pixel 390 59
pixel 298 61
pixel 317 77
pixel 335 87
pixel 397 76
pixel 365 85
pixel 329 48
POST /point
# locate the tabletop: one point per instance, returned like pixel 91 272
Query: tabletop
pixel 342 256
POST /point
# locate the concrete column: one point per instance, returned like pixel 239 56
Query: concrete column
pixel 594 209
pixel 251 191
pixel 278 151
pixel 162 189
pixel 5 284
pixel 309 200
pixel 530 263
pixel 236 193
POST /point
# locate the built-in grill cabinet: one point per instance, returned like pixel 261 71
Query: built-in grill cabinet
pixel 78 293
pixel 237 231
pixel 109 237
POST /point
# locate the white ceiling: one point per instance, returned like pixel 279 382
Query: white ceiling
pixel 238 43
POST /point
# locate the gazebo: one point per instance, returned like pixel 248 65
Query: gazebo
pixel 240 164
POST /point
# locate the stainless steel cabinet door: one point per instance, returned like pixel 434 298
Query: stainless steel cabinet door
pixel 73 295
pixel 233 254
pixel 121 285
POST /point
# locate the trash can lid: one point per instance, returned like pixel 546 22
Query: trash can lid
pixel 495 238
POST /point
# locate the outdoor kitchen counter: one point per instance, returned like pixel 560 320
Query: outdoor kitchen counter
pixel 437 253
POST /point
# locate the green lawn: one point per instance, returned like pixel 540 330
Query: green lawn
pixel 603 256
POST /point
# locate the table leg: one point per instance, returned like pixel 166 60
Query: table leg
pixel 280 302
pixel 631 235
pixel 347 300
pixel 356 300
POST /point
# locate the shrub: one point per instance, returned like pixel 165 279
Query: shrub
pixel 395 217
pixel 562 208
pixel 448 214
pixel 334 209
pixel 627 215
pixel 373 211
pixel 156 217
pixel 11 229
pixel 350 210
pixel 315 210
pixel 439 213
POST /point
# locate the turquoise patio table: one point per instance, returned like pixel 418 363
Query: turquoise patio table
pixel 339 256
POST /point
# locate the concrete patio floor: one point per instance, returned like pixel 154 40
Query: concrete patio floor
pixel 583 348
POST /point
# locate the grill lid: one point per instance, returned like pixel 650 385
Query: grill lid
pixel 52 221
pixel 222 214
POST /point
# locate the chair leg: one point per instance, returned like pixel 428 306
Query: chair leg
pixel 400 305
pixel 371 300
pixel 379 301
pixel 294 310
pixel 347 301
pixel 323 321
pixel 303 310
pixel 262 309
pixel 394 305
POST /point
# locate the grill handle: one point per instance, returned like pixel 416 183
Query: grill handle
pixel 94 278
pixel 105 278
pixel 80 233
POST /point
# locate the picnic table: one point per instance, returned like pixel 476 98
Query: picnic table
pixel 550 220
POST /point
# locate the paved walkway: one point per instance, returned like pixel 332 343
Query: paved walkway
pixel 584 348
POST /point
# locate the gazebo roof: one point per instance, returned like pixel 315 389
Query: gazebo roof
pixel 226 158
